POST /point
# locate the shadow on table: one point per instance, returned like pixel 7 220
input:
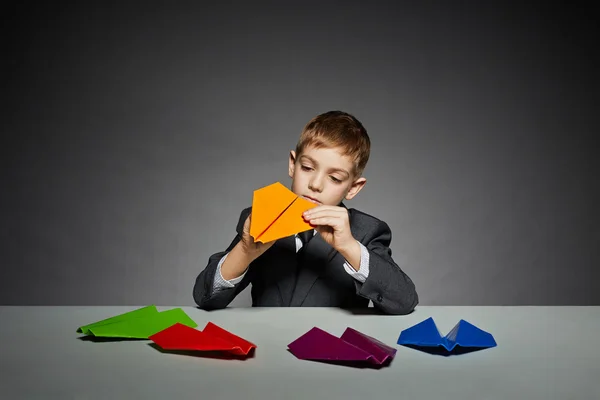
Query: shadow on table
pixel 233 309
pixel 217 355
pixel 441 351
pixel 96 339
pixel 369 311
pixel 351 364
pixel 353 311
pixel 362 311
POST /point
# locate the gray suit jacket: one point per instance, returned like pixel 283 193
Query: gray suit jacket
pixel 315 277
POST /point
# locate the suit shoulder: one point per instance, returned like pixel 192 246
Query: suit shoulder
pixel 362 218
pixel 354 213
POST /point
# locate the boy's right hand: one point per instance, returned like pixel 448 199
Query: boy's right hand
pixel 251 248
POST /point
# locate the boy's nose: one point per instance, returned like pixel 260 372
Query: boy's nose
pixel 315 185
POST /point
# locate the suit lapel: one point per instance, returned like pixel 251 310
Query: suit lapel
pixel 286 268
pixel 315 259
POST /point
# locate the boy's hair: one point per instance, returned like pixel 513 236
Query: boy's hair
pixel 338 129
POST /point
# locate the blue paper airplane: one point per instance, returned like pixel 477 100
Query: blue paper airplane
pixel 464 337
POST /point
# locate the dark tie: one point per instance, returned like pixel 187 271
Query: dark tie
pixel 305 236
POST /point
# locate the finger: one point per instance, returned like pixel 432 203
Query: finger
pixel 329 221
pixel 323 207
pixel 325 212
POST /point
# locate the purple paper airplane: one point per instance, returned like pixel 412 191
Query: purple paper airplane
pixel 316 344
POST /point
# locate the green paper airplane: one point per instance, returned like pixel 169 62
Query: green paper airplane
pixel 137 324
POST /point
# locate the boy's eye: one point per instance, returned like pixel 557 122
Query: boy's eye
pixel 336 180
pixel 305 168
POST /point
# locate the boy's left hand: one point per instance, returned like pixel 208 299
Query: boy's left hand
pixel 333 225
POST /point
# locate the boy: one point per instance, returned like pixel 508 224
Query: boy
pixel 344 262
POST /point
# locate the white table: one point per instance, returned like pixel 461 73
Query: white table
pixel 543 353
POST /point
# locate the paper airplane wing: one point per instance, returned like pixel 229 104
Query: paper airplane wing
pixel 241 346
pixel 290 222
pixel 380 351
pixel 424 333
pixel 143 327
pixel 465 334
pixel 277 213
pixel 268 203
pixel 212 338
pixel 139 313
pixel 317 344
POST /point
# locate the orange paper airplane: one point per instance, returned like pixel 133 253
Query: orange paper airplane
pixel 277 213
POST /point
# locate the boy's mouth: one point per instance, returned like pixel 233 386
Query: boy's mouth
pixel 311 199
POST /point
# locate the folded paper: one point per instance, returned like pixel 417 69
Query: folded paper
pixel 137 324
pixel 277 213
pixel 211 338
pixel 464 335
pixel 316 344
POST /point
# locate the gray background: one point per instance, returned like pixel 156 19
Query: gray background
pixel 134 135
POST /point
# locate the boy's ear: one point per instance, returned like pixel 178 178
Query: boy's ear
pixel 356 187
pixel 291 162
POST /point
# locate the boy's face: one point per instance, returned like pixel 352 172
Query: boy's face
pixel 324 176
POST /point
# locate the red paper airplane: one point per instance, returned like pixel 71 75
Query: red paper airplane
pixel 212 338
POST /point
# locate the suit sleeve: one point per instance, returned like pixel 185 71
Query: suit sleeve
pixel 205 297
pixel 390 289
